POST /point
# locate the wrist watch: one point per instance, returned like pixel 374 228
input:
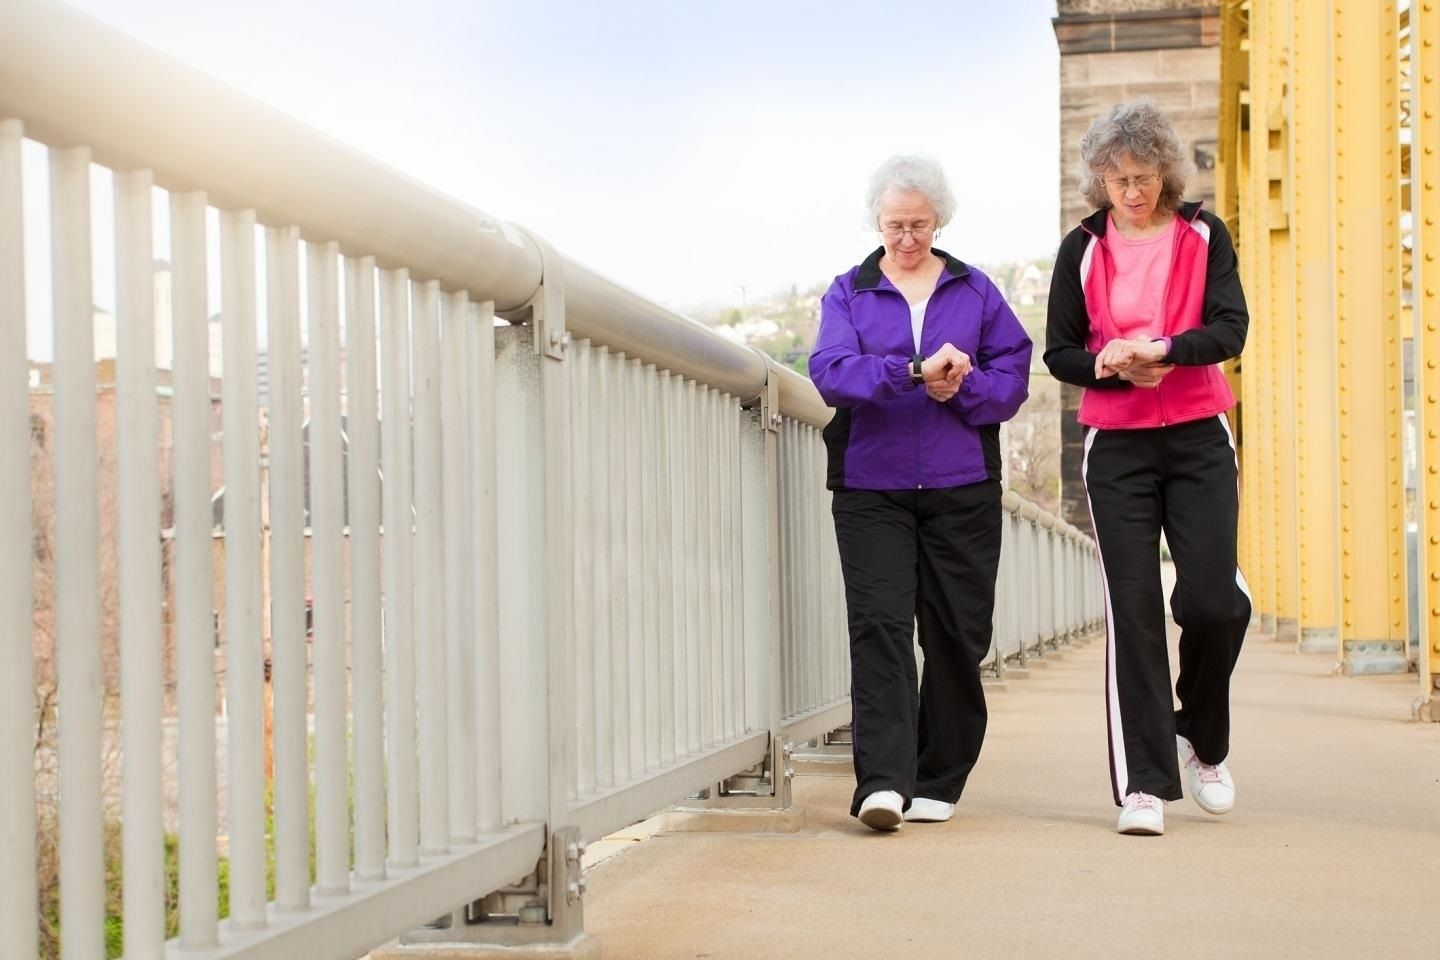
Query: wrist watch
pixel 916 373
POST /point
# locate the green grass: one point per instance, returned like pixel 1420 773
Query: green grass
pixel 114 878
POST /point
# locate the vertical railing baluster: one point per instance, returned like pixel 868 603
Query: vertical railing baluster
pixel 402 768
pixel 485 544
pixel 430 688
pixel 666 531
pixel 604 437
pixel 194 574
pixel 735 605
pixel 582 512
pixel 363 468
pixel 288 670
pixel 618 585
pixel 819 516
pixel 794 667
pixel 645 423
pixel 77 542
pixel 327 564
pixel 631 373
pixel 705 562
pixel 812 568
pixel 459 558
pixel 714 654
pixel 17 661
pixel 244 647
pixel 782 510
pixel 675 477
pixel 138 569
pixel 693 520
pixel 800 635
pixel 601 418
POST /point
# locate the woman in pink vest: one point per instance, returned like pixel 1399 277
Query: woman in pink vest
pixel 1145 303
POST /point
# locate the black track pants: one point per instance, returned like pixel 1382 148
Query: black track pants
pixel 926 557
pixel 1181 479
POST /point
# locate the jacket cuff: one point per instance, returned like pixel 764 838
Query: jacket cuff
pixel 897 371
pixel 970 388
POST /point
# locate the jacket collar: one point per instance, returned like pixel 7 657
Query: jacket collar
pixel 869 275
pixel 1096 223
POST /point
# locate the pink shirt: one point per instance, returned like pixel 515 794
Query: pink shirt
pixel 1142 271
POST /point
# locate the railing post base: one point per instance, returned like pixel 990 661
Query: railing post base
pixel 765 786
pixel 542 915
pixel 832 755
pixel 1427 710
pixel 757 800
pixel 583 947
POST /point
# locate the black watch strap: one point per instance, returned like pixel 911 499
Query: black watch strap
pixel 917 374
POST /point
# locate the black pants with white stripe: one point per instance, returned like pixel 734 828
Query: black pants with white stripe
pixel 1180 479
pixel 926 559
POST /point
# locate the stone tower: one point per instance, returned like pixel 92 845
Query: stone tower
pixel 1117 50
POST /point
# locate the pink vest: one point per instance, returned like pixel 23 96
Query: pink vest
pixel 1187 393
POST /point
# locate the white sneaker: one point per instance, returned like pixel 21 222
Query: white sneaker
pixel 1211 785
pixel 925 810
pixel 1143 815
pixel 881 810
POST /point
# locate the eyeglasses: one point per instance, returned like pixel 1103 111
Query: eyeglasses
pixel 1142 183
pixel 922 232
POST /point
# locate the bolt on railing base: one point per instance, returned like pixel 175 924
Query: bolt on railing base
pixel 542 910
pixel 1363 658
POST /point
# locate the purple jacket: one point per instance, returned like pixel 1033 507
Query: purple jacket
pixel 887 434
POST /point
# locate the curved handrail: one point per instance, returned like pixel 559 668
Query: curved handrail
pixel 137 108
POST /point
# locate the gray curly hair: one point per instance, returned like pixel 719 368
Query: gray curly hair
pixel 1142 131
pixel 909 172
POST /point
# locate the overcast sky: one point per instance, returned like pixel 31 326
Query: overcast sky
pixel 686 150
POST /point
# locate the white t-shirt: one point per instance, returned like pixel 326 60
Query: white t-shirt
pixel 917 320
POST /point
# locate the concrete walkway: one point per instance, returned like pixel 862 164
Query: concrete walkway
pixel 1333 849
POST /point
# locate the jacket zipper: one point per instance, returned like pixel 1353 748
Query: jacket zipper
pixel 944 278
pixel 919 465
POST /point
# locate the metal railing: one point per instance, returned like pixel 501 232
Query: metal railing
pixel 562 572
pixel 1048 592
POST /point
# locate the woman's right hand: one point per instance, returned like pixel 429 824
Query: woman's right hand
pixel 1147 375
pixel 944 371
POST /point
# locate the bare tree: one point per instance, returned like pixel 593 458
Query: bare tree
pixel 1032 445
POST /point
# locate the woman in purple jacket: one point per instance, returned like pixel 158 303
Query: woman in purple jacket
pixel 923 360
